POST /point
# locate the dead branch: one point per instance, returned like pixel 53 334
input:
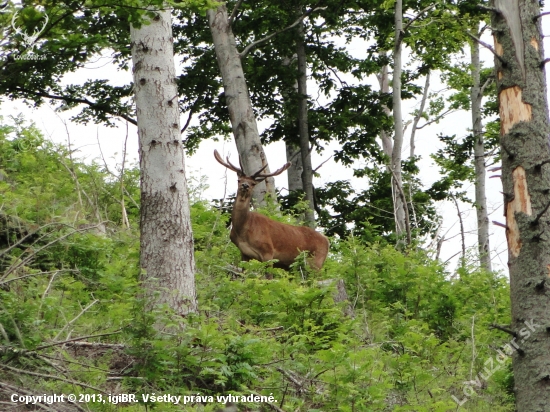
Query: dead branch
pixel 503 329
pixel 97 345
pixel 499 224
pixel 438 118
pixel 46 376
pixel 420 111
pixel 49 345
pixel 488 47
pixel 75 318
pixel 29 258
pixel 318 167
pixel 16 389
pixel 38 274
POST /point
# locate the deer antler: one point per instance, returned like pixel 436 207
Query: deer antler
pixel 259 177
pixel 228 164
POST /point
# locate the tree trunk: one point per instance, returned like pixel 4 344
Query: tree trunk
pixel 479 163
pixel 243 121
pixel 295 171
pixel 387 144
pixel 167 259
pixel 399 204
pixel 303 127
pixel 525 130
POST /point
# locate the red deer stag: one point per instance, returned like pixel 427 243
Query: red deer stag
pixel 263 239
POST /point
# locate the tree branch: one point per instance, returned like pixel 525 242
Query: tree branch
pixel 17 389
pixel 436 119
pixel 546 13
pixel 318 167
pixel 28 258
pixel 234 13
pixel 45 376
pixel 420 13
pixel 78 101
pixel 485 85
pixel 419 115
pixel 270 36
pixel 116 332
pixel 487 46
pixel 503 328
pixel 542 212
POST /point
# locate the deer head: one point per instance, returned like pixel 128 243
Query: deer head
pixel 247 183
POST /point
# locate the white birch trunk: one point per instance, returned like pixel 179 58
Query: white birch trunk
pixel 167 259
pixel 243 121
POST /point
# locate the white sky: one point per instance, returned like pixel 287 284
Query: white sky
pixel 85 138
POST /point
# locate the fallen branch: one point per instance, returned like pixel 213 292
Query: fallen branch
pixel 76 339
pixel 46 376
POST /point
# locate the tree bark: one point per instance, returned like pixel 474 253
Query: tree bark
pixel 383 80
pixel 303 127
pixel 479 163
pixel 167 259
pixel 525 131
pixel 399 205
pixel 243 121
pixel 295 171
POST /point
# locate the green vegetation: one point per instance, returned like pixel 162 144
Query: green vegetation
pixel 72 320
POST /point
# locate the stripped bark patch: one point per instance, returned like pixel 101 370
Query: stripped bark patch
pixel 500 75
pixel 498 47
pixel 548 267
pixel 520 203
pixel 512 109
pixel 534 43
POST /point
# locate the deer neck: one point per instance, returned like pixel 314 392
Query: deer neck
pixel 241 211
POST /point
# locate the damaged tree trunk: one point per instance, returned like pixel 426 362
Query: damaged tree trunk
pixel 243 121
pixel 525 132
pixel 479 162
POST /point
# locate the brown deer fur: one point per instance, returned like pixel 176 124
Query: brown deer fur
pixel 263 239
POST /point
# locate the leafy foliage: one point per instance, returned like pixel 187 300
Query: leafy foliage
pixel 259 330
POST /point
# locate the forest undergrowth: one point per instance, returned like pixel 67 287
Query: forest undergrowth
pixel 412 336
